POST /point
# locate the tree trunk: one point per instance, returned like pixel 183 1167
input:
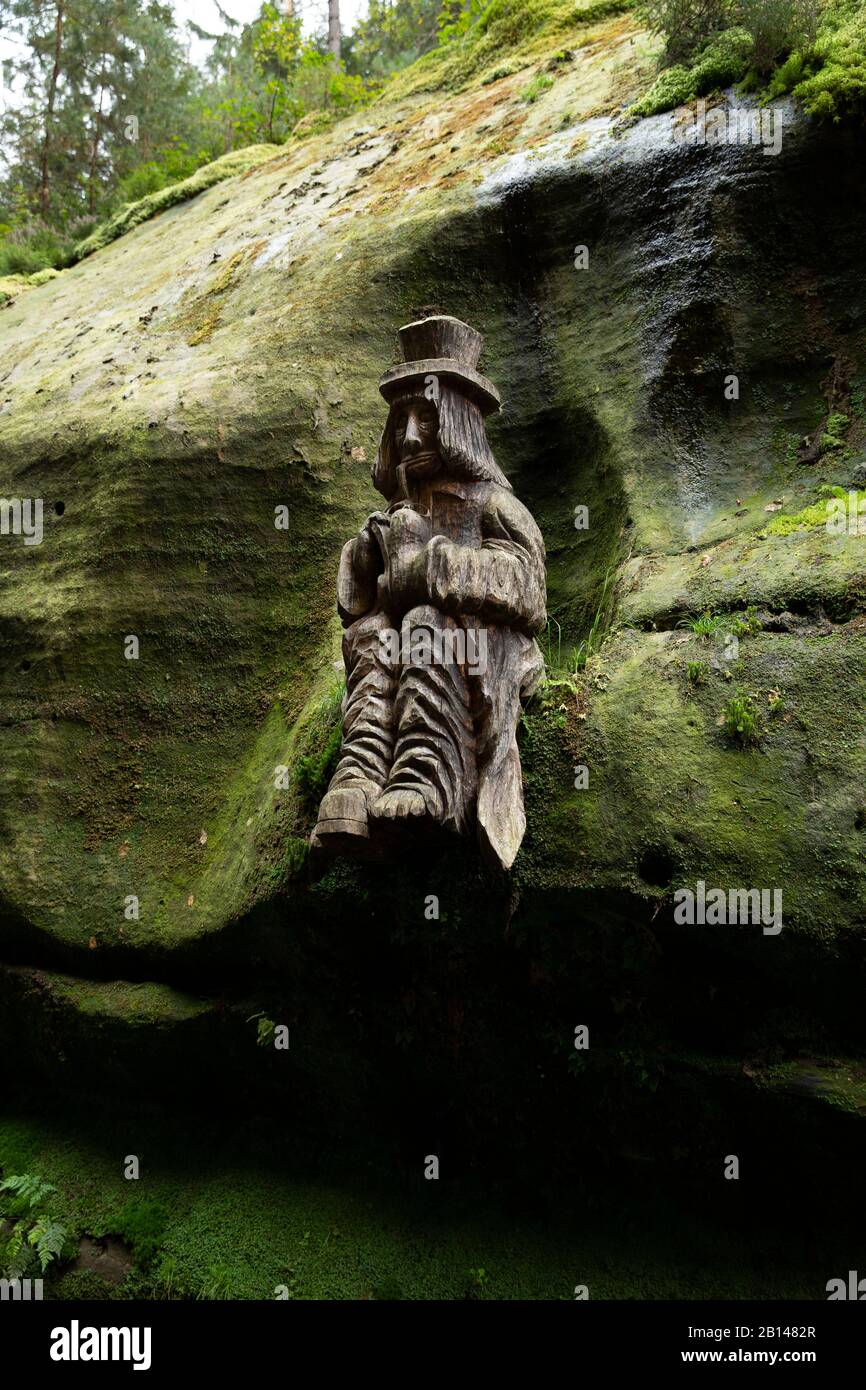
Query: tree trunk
pixel 44 183
pixel 334 27
pixel 97 134
pixel 289 9
pixel 228 140
pixel 94 153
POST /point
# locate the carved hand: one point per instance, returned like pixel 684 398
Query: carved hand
pixel 366 554
pixel 361 563
pixel 407 563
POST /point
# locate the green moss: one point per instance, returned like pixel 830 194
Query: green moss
pixel 133 214
pixel 815 515
pixel 739 718
pixel 81 1285
pixel 322 741
pixel 142 1223
pixel 12 285
pixel 142 1003
pixel 673 87
pixel 520 28
pixel 296 853
pixel 227 273
pixel 653 745
pixel 723 61
pixel 831 82
pixel 42 277
pixel 829 77
pixel 205 327
pixel 314 123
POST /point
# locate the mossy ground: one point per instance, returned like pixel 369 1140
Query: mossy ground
pixel 235 1222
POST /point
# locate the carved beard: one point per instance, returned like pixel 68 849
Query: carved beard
pixel 417 467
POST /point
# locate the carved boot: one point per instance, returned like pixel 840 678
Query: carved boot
pixel 432 782
pixel 368 741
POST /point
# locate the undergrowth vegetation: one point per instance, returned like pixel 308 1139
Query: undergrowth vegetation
pixel 813 50
pixel 30 1237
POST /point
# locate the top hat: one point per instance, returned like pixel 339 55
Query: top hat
pixel 441 346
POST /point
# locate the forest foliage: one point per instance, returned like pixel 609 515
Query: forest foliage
pixel 102 105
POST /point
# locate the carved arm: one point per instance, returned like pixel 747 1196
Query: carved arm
pixel 503 582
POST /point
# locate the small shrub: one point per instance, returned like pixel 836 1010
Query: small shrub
pixel 217 1284
pixel 832 438
pixel 265 1029
pixel 697 672
pixel 707 624
pixel 796 68
pixel 539 84
pixel 477 1283
pixel 685 25
pixel 739 718
pixel 775 28
pixel 142 1225
pixel 833 84
pixel 747 624
pixel 32 247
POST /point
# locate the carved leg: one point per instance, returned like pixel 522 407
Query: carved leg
pixel 433 776
pixel 368 739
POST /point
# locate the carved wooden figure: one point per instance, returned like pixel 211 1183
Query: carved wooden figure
pixel 441 596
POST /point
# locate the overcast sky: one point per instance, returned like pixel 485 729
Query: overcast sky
pixel 313 12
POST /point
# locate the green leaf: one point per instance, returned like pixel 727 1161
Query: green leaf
pixel 48 1238
pixel 27 1188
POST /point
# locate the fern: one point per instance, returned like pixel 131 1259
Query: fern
pixel 32 1237
pixel 14 1247
pixel 27 1188
pixel 47 1238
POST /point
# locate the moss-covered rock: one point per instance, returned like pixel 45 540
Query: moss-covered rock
pixel 133 214
pixel 212 371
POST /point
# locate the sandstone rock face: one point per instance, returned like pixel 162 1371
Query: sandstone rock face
pixel 196 405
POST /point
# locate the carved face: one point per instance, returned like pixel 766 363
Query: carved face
pixel 416 430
